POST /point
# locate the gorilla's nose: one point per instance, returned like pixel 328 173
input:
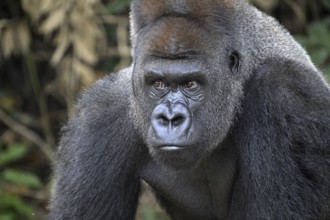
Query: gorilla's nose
pixel 171 120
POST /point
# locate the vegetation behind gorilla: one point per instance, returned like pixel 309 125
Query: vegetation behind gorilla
pixel 222 113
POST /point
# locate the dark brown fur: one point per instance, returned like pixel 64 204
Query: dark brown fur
pixel 206 11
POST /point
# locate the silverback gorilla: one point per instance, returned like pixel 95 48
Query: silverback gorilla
pixel 222 113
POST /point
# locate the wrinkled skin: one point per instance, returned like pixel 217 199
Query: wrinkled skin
pixel 179 86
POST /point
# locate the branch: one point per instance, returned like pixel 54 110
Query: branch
pixel 28 134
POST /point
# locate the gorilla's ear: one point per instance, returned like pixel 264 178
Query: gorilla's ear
pixel 234 62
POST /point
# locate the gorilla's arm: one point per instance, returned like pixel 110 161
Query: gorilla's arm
pixel 96 173
pixel 283 143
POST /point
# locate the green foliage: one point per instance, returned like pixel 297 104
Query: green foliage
pixel 12 205
pixel 14 208
pixel 326 3
pixel 118 6
pixel 317 44
pixel 150 213
pixel 21 178
pixel 12 154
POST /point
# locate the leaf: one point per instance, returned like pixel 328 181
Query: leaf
pixel 54 21
pixel 21 178
pixel 63 43
pixel 118 6
pixel 16 203
pixel 326 71
pixel 326 3
pixel 84 50
pixel 23 36
pixel 7 41
pixel 7 216
pixel 319 33
pixel 47 5
pixel 320 56
pixel 31 8
pixel 13 153
pixel 85 72
pixel 84 38
pixel 7 102
pixel 148 213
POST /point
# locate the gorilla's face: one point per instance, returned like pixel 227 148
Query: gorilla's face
pixel 186 90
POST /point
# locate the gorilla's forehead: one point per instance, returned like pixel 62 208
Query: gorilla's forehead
pixel 146 11
pixel 178 37
pixel 179 28
pixel 175 67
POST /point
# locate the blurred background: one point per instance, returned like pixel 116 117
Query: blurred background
pixel 50 50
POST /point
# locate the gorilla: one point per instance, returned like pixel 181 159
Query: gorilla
pixel 222 113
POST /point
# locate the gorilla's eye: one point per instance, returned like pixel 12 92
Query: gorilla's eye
pixel 159 84
pixel 191 85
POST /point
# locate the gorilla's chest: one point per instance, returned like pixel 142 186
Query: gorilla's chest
pixel 200 193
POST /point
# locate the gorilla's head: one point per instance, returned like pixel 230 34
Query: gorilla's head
pixel 187 78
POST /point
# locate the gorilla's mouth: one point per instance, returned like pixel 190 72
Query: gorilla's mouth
pixel 171 148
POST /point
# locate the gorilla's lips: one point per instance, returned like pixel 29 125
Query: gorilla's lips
pixel 171 147
pixel 178 143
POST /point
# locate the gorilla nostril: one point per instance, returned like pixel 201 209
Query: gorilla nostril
pixel 174 120
pixel 177 120
pixel 163 120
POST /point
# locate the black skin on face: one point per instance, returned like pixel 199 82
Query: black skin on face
pixel 178 91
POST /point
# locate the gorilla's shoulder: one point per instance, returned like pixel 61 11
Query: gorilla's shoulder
pixel 290 84
pixel 282 73
pixel 110 92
